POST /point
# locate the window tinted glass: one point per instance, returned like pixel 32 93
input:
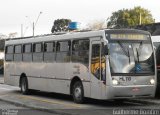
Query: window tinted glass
pixel 63 51
pixel 37 47
pixel 17 49
pixel 9 49
pixel 49 47
pixel 63 46
pixel 27 48
pixel 80 45
pixel 80 51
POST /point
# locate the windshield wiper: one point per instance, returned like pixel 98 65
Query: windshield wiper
pixel 124 51
pixel 137 49
pixel 137 54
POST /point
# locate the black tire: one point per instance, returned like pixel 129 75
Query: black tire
pixel 24 86
pixel 78 92
pixel 120 100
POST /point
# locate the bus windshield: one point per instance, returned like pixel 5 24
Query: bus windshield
pixel 131 57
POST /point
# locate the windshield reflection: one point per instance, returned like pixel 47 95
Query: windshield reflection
pixel 131 58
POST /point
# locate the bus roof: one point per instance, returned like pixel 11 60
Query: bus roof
pixel 66 36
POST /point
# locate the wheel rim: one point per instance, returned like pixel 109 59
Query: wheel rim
pixel 78 93
pixel 23 86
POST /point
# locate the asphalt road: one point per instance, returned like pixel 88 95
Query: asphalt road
pixel 52 103
pixel 13 109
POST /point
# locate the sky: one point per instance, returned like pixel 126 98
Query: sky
pixel 14 13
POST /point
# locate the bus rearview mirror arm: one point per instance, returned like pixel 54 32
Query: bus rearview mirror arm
pixel 106 50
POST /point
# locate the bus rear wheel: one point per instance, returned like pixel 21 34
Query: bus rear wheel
pixel 24 86
pixel 78 92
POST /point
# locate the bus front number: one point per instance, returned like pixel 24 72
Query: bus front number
pixel 125 79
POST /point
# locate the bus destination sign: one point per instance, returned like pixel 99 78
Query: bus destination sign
pixel 128 37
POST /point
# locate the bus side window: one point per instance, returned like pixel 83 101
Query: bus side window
pixel 49 47
pixel 80 51
pixel 49 51
pixel 18 53
pixel 9 53
pixel 27 52
pixel 63 51
pixel 37 52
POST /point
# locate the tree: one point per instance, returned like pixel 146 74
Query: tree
pixel 12 35
pixel 96 25
pixel 60 25
pixel 130 17
pixel 2 41
pixel 2 36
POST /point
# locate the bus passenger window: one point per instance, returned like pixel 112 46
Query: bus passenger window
pixel 49 51
pixel 17 49
pixel 80 51
pixel 49 47
pixel 63 51
pixel 37 52
pixel 27 48
pixel 18 53
pixel 37 47
pixel 9 53
pixel 9 49
pixel 27 52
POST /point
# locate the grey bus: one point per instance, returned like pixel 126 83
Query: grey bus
pixel 102 64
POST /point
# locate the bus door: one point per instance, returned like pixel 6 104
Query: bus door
pixel 95 69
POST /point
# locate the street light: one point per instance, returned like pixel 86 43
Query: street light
pixel 34 23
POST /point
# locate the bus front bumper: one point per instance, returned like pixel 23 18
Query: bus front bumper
pixel 115 92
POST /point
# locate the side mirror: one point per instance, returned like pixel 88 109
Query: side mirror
pixel 106 50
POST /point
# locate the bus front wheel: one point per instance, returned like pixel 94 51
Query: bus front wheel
pixel 78 92
pixel 24 85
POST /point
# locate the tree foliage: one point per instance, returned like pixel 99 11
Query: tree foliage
pixel 2 41
pixel 60 25
pixel 130 17
pixel 96 25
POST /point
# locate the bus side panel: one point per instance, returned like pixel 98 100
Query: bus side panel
pixel 82 72
pixel 33 73
pixel 58 82
pixel 7 76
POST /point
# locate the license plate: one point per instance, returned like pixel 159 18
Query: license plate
pixel 135 89
pixel 124 79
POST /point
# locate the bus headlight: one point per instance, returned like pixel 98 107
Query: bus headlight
pixel 152 81
pixel 115 82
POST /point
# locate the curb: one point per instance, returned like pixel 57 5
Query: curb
pixel 1 83
pixel 147 102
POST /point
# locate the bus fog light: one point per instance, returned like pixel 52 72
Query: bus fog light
pixel 115 82
pixel 152 81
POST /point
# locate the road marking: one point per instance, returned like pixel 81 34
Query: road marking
pixel 3 94
pixel 5 88
pixel 133 103
pixel 49 101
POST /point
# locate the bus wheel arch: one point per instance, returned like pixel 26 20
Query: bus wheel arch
pixel 77 90
pixel 23 83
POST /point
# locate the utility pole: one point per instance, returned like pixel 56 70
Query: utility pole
pixel 21 30
pixel 33 28
pixel 34 24
pixel 140 19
